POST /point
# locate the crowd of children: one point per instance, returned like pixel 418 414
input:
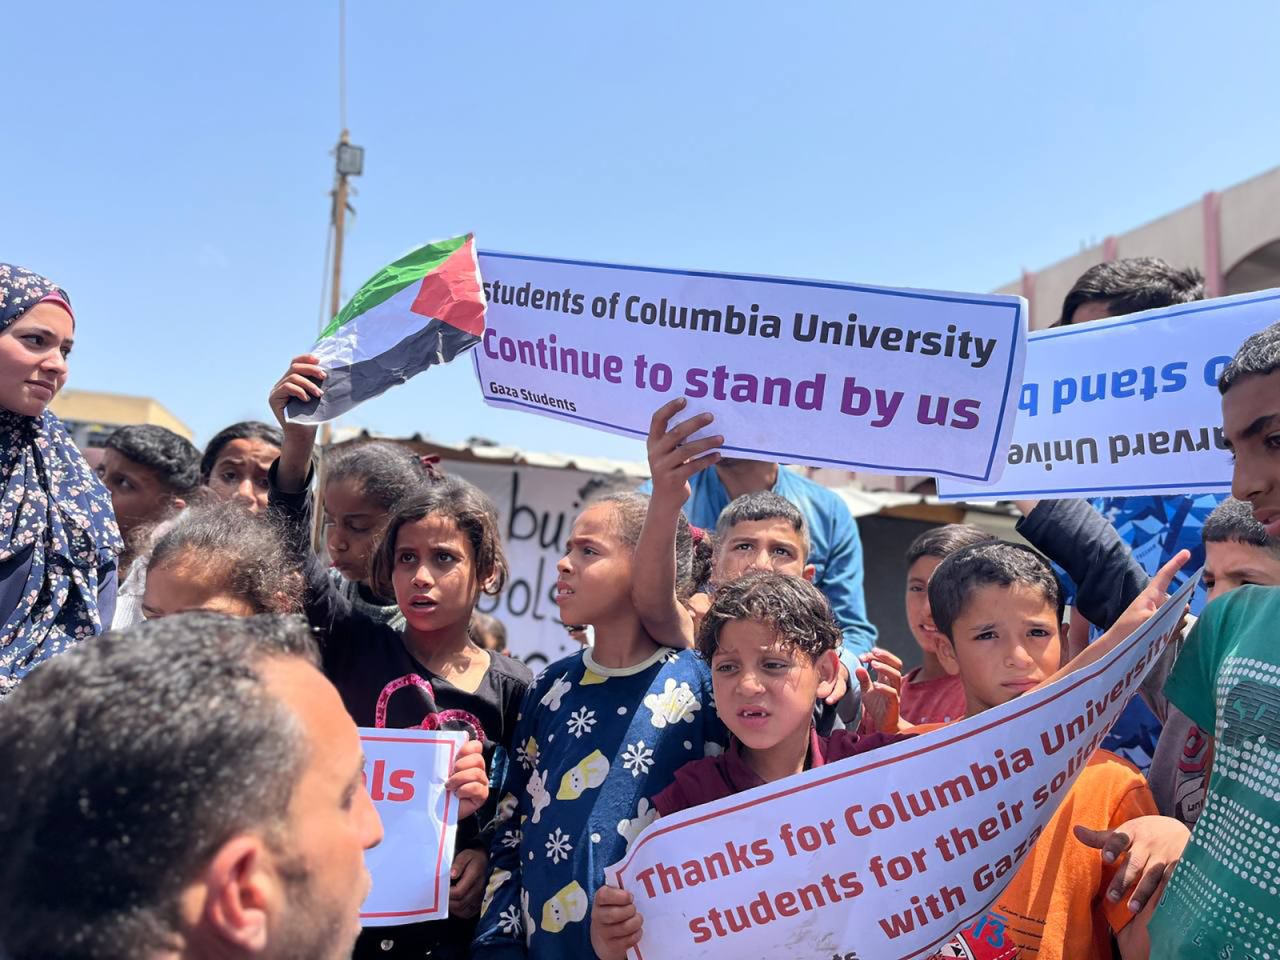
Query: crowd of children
pixel 716 665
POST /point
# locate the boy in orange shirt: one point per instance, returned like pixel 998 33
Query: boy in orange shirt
pixel 999 606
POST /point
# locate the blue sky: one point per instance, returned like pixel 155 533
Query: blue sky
pixel 168 162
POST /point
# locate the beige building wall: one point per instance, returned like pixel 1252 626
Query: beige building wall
pixel 1250 217
pixel 90 417
pixel 1177 237
pixel 1233 237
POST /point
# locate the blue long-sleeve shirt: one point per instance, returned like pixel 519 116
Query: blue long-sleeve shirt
pixel 835 549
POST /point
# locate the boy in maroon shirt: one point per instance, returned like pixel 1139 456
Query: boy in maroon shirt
pixel 773 645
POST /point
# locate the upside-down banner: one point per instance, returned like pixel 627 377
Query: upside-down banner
pixel 1126 406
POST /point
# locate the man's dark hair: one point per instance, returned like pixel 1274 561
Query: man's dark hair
pixel 1131 286
pixel 792 607
pixel 943 541
pixel 997 563
pixel 1257 357
pixel 128 762
pixel 173 458
pixel 763 505
pixel 1232 521
pixel 245 430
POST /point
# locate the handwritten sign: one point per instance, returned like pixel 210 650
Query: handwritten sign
pixel 405 772
pixel 884 855
pixel 829 374
pixel 1126 406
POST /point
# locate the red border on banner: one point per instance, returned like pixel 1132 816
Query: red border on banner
pixel 444 821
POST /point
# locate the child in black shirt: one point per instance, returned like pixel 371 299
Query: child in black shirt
pixel 439 550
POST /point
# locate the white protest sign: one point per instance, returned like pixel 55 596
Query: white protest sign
pixel 829 374
pixel 405 772
pixel 887 854
pixel 1126 406
pixel 536 507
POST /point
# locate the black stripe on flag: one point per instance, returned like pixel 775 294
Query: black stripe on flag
pixel 350 385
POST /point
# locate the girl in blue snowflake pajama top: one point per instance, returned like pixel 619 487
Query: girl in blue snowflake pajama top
pixel 593 744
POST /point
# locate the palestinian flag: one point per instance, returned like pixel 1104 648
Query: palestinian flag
pixel 424 309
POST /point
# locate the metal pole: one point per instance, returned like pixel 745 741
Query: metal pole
pixel 335 304
pixel 339 223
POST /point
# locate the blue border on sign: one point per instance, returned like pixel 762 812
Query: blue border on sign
pixel 1163 313
pixel 1134 488
pixel 995 300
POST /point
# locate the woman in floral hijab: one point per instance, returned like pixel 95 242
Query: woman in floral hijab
pixel 58 536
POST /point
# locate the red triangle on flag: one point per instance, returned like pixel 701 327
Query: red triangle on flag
pixel 451 293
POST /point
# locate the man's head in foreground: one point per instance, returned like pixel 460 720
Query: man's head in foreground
pixel 1000 607
pixel 1250 388
pixel 191 788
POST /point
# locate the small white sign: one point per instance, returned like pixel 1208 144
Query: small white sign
pixel 405 773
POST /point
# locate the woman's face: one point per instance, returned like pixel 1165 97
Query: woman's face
pixel 240 473
pixel 33 358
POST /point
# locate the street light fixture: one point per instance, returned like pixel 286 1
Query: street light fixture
pixel 350 160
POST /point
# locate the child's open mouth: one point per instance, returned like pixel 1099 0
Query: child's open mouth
pixel 753 716
pixel 422 603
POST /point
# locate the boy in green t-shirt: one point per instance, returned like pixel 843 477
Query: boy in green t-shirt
pixel 1223 900
pixel 1223 897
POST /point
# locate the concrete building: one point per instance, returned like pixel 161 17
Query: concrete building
pixel 1233 236
pixel 91 417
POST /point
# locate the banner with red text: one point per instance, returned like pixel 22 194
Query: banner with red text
pixel 405 772
pixel 885 855
pixel 798 371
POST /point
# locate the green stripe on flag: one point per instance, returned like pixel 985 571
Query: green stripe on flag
pixel 391 279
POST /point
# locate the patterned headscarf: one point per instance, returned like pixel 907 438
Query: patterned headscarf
pixel 53 505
